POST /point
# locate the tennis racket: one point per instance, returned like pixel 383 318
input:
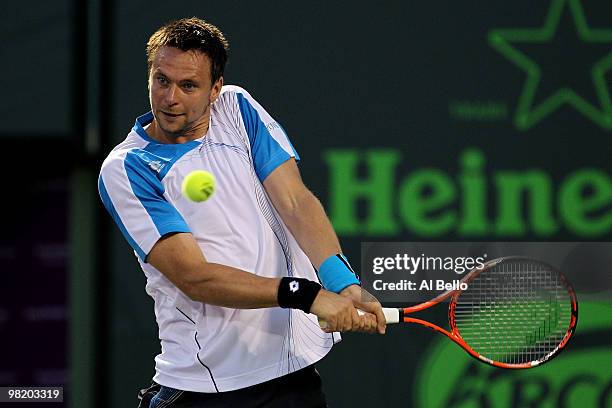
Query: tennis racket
pixel 515 313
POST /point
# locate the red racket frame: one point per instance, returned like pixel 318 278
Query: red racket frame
pixel 454 334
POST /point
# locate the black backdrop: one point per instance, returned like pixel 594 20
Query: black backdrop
pixel 429 89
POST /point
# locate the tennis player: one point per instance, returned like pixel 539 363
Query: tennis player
pixel 236 295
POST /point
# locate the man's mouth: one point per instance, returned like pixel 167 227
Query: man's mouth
pixel 172 115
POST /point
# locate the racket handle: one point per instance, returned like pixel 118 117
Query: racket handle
pixel 392 315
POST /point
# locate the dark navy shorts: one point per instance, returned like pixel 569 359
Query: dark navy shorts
pixel 301 389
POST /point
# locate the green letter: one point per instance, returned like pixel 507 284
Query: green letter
pixel 474 188
pixel 574 205
pixel 346 188
pixel 510 189
pixel 425 192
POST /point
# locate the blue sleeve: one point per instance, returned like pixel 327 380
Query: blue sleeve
pixel 134 197
pixel 270 145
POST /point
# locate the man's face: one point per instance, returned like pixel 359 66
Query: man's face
pixel 180 92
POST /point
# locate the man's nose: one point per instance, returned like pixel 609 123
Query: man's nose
pixel 170 95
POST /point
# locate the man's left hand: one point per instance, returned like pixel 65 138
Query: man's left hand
pixel 375 319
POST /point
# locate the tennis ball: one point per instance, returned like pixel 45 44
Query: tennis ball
pixel 198 185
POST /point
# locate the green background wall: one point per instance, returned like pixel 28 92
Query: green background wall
pixel 414 120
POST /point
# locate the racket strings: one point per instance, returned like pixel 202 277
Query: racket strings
pixel 517 312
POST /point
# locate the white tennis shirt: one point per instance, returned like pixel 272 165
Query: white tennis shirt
pixel 207 348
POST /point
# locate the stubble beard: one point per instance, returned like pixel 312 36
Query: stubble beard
pixel 188 128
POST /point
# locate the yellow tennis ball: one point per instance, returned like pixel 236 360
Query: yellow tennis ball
pixel 198 185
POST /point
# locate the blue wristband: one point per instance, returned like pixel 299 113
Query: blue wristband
pixel 336 273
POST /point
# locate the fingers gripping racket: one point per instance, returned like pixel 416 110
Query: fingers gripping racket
pixel 515 313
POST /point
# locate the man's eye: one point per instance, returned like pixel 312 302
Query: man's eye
pixel 188 85
pixel 162 80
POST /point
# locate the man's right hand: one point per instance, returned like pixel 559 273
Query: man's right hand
pixel 339 314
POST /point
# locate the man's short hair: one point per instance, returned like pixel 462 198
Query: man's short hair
pixel 189 34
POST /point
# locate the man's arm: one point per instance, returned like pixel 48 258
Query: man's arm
pixel 306 219
pixel 180 259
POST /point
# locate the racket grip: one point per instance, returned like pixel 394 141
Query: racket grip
pixel 392 315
